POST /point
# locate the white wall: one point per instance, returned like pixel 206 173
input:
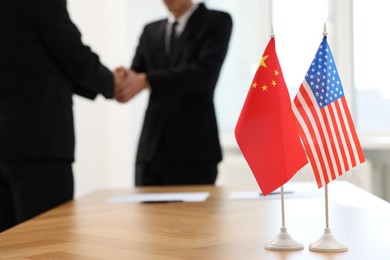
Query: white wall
pixel 107 132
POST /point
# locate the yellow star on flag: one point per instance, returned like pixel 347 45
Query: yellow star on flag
pixel 273 83
pixel 254 85
pixel 264 88
pixel 262 62
pixel 276 72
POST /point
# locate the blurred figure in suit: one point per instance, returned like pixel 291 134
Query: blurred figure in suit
pixel 179 59
pixel 43 62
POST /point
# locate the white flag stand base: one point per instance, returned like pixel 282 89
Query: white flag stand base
pixel 283 242
pixel 327 243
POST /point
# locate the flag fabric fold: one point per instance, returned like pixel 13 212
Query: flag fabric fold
pixel 324 121
pixel 265 132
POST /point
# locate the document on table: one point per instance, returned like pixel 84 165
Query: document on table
pixel 291 190
pixel 250 195
pixel 160 197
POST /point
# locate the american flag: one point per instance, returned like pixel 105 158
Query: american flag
pixel 324 122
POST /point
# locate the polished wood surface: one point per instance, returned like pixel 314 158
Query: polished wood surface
pixel 220 228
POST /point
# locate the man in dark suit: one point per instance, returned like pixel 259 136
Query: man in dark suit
pixel 179 141
pixel 43 62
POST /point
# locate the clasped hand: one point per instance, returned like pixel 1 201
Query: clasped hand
pixel 128 84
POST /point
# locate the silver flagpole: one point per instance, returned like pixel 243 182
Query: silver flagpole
pixel 327 242
pixel 283 241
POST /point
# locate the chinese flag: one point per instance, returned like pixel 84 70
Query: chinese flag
pixel 265 132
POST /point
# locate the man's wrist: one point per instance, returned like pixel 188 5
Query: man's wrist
pixel 144 77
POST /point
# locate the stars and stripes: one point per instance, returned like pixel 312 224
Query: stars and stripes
pixel 324 120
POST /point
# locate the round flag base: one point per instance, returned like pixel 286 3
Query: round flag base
pixel 327 243
pixel 283 242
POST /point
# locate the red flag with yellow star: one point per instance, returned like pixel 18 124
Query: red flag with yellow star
pixel 265 132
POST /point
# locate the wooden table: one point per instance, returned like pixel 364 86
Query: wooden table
pixel 220 228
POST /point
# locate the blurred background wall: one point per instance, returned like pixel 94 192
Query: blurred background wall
pixel 107 132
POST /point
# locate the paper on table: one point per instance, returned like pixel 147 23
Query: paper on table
pixel 161 197
pixel 241 195
pixel 245 195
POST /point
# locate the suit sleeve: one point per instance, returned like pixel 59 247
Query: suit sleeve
pixel 63 40
pixel 138 63
pixel 201 73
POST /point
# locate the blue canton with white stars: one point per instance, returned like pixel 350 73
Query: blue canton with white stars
pixel 323 77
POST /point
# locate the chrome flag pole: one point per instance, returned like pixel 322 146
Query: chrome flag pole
pixel 327 242
pixel 326 129
pixel 283 241
pixel 265 122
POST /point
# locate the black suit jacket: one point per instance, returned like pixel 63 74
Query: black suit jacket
pixel 181 109
pixel 42 63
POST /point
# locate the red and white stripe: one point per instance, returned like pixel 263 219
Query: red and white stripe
pixel 328 135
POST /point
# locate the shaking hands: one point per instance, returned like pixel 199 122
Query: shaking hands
pixel 128 84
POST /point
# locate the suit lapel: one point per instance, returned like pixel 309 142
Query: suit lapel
pixel 159 35
pixel 189 30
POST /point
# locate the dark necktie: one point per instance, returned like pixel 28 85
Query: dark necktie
pixel 173 39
